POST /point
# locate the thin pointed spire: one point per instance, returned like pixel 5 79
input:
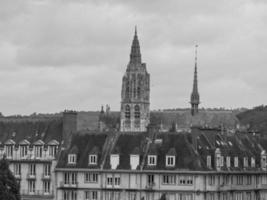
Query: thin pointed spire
pixel 195 95
pixel 195 85
pixel 135 56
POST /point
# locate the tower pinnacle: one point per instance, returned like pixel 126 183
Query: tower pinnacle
pixel 135 56
pixel 195 95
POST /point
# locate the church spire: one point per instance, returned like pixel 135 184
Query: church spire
pixel 135 56
pixel 195 95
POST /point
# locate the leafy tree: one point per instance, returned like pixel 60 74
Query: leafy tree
pixel 9 188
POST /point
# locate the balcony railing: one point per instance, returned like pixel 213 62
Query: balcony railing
pixel 69 184
pixel 37 193
pixel 150 186
pixel 31 176
pixel 46 176
pixel 17 176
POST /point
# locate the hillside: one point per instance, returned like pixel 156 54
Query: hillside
pixel 255 119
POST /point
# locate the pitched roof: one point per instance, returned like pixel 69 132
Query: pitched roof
pixel 31 130
pixel 85 144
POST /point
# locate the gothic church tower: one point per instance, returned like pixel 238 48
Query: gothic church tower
pixel 195 95
pixel 135 93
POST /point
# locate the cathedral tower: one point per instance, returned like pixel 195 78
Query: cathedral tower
pixel 135 93
pixel 195 95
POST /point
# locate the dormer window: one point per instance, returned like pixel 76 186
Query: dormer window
pixel 209 161
pixel 72 159
pixel 170 161
pixel 38 150
pixel 222 161
pixel 245 161
pixel 253 162
pixel 236 161
pixel 92 159
pixel 152 160
pixel 23 151
pixel 228 161
pixel 9 151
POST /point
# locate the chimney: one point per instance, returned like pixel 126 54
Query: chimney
pixel 69 126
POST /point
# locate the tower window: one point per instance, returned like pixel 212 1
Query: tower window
pixel 137 112
pixel 138 92
pixel 127 112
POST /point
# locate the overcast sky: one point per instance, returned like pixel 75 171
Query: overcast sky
pixel 72 54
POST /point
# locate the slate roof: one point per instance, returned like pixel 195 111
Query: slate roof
pixel 189 148
pixel 85 144
pixel 31 131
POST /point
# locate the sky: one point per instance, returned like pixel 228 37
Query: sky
pixel 72 54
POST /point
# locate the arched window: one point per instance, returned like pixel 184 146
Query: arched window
pixel 127 112
pixel 136 112
pixel 138 92
pixel 127 89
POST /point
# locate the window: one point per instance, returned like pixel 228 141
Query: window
pixel 249 178
pixel 32 170
pixel 138 92
pixel 52 150
pixel 238 196
pixel 170 161
pixel 185 180
pixel 136 112
pixel 109 181
pixel 9 151
pixel 252 162
pixel 210 196
pixel 222 161
pixel 32 186
pixel 264 179
pixel 38 150
pixel 152 160
pixel 218 161
pixel 239 179
pixel 92 159
pixel 46 185
pixel 150 179
pixel 236 161
pixel 70 178
pixel 17 169
pixel 70 195
pixel 127 112
pixel 66 178
pixel 211 180
pixel 91 177
pixel 245 161
pixel 248 195
pixel 72 159
pixel 168 179
pixel 90 195
pixel 117 181
pixel 23 151
pixel 228 161
pixel 189 180
pixel 209 161
pixel 47 169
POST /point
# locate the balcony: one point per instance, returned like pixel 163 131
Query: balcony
pixel 150 186
pixel 17 176
pixel 31 176
pixel 69 185
pixel 37 193
pixel 46 176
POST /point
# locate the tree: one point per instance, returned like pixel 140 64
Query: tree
pixel 9 188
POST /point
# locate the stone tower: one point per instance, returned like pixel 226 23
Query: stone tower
pixel 195 95
pixel 135 93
